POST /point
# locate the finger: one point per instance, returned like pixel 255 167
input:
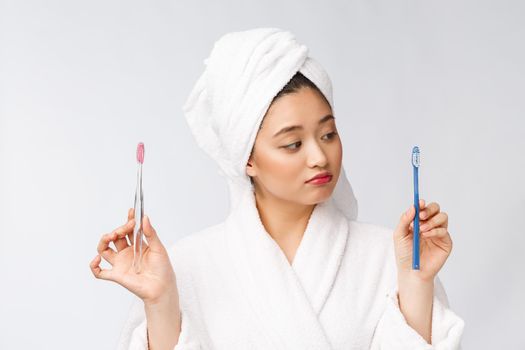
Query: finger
pixel 126 230
pixel 431 210
pixel 439 232
pixel 151 235
pixel 121 232
pixel 131 233
pixel 104 274
pixel 441 219
pixel 131 213
pixel 403 226
pixel 421 208
pixel 121 243
pixel 104 249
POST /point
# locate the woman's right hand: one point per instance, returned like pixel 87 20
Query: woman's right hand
pixel 156 278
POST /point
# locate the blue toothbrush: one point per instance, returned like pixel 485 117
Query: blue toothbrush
pixel 415 250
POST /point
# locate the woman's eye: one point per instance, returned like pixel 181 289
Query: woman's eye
pixel 292 144
pixel 332 135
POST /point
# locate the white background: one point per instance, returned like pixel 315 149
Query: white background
pixel 82 82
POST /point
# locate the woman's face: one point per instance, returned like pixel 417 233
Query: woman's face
pixel 281 163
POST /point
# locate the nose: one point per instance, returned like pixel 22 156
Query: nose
pixel 316 156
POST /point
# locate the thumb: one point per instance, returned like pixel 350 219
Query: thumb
pixel 150 233
pixel 403 226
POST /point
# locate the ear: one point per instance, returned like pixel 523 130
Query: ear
pixel 250 169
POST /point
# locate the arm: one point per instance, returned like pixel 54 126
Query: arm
pixel 394 333
pixel 415 302
pixel 156 318
pixel 417 314
pixel 136 330
pixel 163 322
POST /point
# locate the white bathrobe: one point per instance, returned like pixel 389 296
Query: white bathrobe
pixel 239 292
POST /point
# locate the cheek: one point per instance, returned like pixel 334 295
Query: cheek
pixel 339 162
pixel 280 165
pixel 338 154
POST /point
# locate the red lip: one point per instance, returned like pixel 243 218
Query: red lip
pixel 323 174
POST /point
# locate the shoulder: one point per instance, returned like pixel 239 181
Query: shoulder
pixel 197 239
pixel 374 233
pixel 370 228
pixel 373 240
pixel 195 246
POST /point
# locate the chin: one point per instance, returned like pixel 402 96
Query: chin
pixel 322 195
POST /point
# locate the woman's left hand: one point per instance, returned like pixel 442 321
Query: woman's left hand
pixel 435 243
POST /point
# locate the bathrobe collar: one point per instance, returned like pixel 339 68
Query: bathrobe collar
pixel 287 298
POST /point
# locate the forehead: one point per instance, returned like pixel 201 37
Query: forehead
pixel 304 107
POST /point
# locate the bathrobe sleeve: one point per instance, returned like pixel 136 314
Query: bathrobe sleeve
pixel 134 335
pixel 394 333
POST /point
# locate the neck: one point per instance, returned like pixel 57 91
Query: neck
pixel 284 221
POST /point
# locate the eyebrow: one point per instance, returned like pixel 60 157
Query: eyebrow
pixel 299 127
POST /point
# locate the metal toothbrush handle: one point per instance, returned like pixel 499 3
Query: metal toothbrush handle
pixel 138 231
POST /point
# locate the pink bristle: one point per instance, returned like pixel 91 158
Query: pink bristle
pixel 140 153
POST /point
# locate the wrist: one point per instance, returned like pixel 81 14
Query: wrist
pixel 166 299
pixel 414 287
pixel 414 277
pixel 165 308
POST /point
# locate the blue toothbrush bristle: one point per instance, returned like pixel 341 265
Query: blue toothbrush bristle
pixel 415 157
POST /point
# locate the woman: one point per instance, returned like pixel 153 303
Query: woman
pixel 290 267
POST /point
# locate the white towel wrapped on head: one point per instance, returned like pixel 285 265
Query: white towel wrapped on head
pixel 243 74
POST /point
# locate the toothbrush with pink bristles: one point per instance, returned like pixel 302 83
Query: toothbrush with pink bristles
pixel 139 212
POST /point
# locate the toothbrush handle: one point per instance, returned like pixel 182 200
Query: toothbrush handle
pixel 415 248
pixel 139 214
